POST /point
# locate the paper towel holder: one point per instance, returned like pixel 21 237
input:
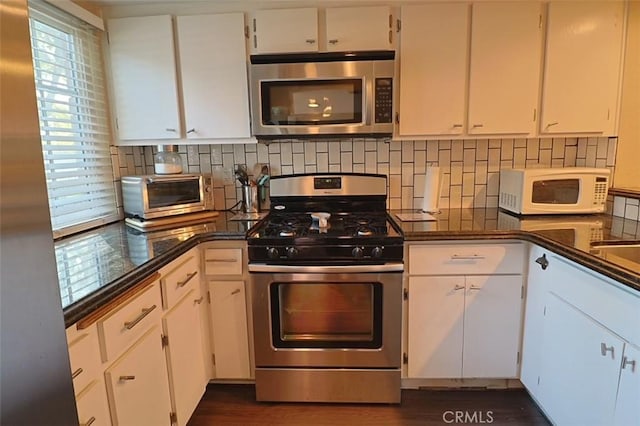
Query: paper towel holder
pixel 432 189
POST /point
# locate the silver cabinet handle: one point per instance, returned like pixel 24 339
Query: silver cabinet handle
pixel 466 257
pixel 475 126
pixel 604 349
pixel 89 422
pixel 473 287
pixel 542 261
pixel 126 378
pixel 310 41
pixel 191 131
pixel 458 287
pixel 236 291
pixel 555 123
pixel 76 373
pixel 169 129
pixel 199 301
pixel 333 41
pixel 457 126
pixel 189 277
pixel 626 361
pixel 130 324
pixel 222 260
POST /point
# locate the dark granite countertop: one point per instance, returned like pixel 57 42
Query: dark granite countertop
pixel 98 265
pixel 574 236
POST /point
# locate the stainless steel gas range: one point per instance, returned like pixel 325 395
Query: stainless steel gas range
pixel 326 281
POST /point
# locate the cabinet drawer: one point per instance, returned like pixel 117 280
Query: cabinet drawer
pixel 93 408
pixel 466 259
pixel 129 322
pixel 84 355
pixel 180 281
pixel 223 261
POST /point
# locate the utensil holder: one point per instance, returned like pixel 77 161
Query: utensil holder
pixel 250 199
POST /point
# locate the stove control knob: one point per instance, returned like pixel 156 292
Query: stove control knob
pixel 357 252
pixel 292 252
pixel 272 253
pixel 376 252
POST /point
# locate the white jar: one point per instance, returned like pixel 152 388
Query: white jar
pixel 167 160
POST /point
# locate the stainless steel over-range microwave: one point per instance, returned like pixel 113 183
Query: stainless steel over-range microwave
pixel 154 196
pixel 322 94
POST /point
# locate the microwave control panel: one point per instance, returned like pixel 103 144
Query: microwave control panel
pixel 383 100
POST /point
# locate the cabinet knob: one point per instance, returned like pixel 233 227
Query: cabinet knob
pixel 542 261
pixel 630 362
pixel 458 287
pixel 126 378
pixel 310 41
pixel 604 349
pixel 236 291
pixel 191 131
pixel 333 41
pixel 199 301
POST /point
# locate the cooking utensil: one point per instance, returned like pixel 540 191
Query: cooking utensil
pixel 241 174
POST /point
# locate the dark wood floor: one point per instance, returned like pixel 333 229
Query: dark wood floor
pixel 236 405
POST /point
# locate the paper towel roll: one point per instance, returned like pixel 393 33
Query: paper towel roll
pixel 431 196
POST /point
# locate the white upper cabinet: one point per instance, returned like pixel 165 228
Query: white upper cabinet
pixel 359 28
pixel 213 68
pixel 582 67
pixel 144 78
pixel 504 79
pixel 285 30
pixel 345 29
pixel 433 68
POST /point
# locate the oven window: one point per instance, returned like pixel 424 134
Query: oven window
pixel 326 315
pixel 172 193
pixel 311 102
pixel 556 191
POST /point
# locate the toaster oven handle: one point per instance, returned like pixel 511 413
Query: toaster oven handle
pixel 170 179
pixel 327 269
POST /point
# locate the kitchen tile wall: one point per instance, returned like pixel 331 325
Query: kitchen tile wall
pixel 470 168
pixel 628 208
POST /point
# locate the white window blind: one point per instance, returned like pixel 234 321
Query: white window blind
pixel 74 126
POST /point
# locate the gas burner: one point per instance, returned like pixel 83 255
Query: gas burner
pixel 291 222
pixel 287 232
pixel 364 231
pixel 363 221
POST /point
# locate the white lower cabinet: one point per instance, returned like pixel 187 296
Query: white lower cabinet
pixel 461 324
pixel 225 267
pixel 580 350
pixel 92 405
pixel 137 384
pixel 187 374
pixel 464 326
pixel 229 330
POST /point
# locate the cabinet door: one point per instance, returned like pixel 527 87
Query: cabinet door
pixel 533 330
pixel 229 329
pixel 436 316
pixel 214 75
pixel 137 384
pixel 627 407
pixel 492 321
pixel 580 367
pixel 144 77
pixel 285 30
pixel 506 40
pixel 358 28
pixel 92 405
pixel 433 68
pixel 582 67
pixel 184 356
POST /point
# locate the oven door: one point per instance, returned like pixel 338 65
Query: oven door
pixel 339 318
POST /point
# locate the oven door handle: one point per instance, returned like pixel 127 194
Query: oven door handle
pixel 328 269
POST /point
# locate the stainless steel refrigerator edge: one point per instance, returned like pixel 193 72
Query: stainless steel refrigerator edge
pixel 35 379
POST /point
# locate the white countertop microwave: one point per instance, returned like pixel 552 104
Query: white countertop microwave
pixel 568 190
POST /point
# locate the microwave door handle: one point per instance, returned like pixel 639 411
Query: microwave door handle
pixel 170 179
pixel 368 100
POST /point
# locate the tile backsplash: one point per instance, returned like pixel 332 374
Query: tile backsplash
pixel 470 168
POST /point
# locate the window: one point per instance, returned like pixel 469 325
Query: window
pixel 74 124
